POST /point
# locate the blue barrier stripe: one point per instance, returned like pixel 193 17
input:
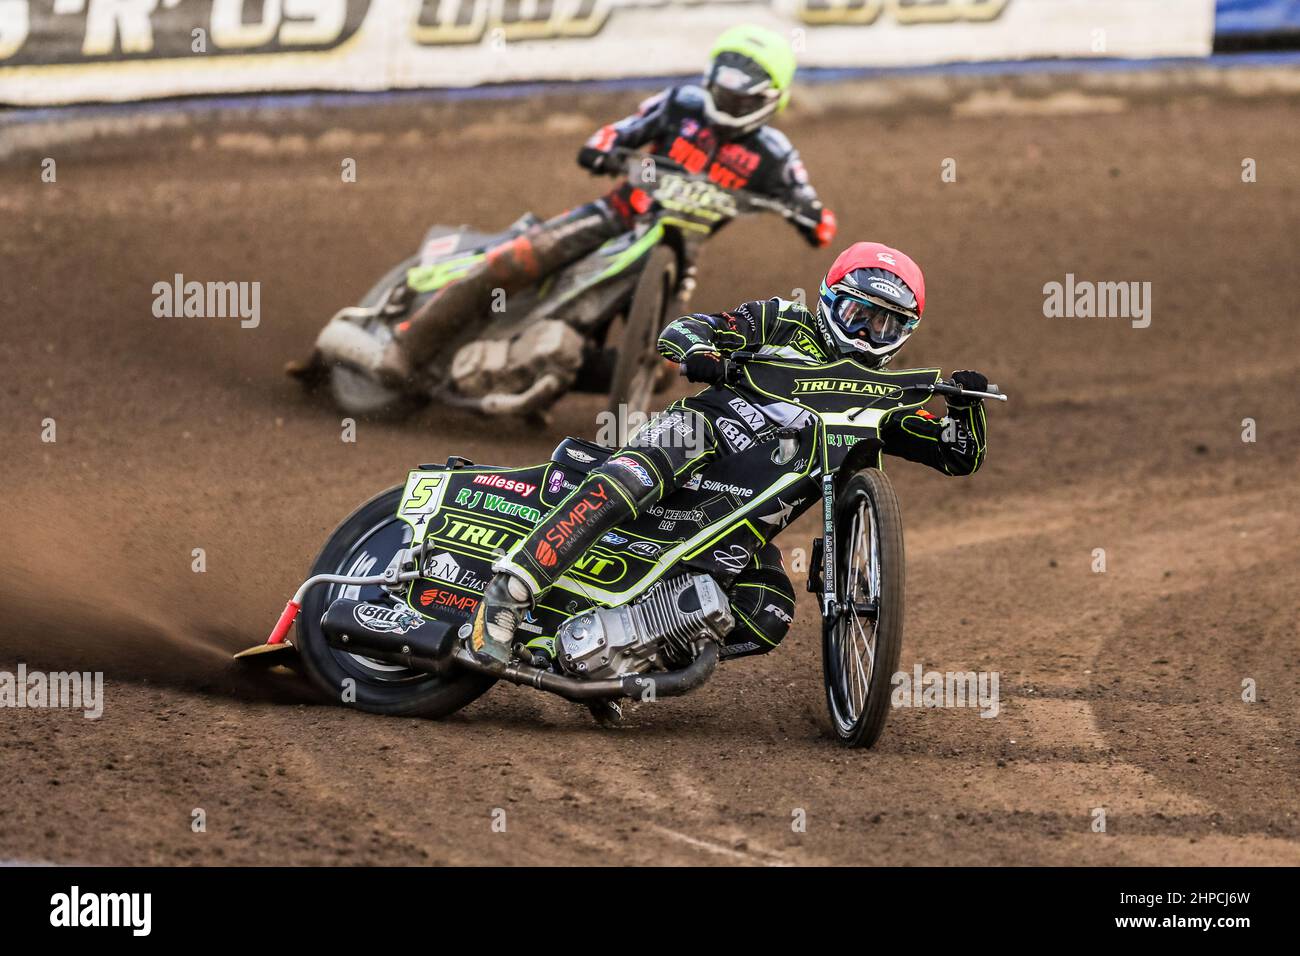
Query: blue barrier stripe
pixel 1237 17
pixel 507 91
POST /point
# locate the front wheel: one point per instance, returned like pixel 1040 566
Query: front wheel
pixel 638 365
pixel 364 544
pixel 861 646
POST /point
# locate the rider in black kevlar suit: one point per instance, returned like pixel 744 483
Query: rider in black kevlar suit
pixel 871 302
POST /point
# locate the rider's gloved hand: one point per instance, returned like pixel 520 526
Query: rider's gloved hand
pixel 972 381
pixel 705 367
pixel 823 232
pixel 597 160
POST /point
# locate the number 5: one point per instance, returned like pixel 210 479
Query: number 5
pixel 421 493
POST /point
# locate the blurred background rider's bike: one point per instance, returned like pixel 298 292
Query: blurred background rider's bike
pixel 590 326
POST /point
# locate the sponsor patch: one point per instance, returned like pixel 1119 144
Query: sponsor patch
pixel 779 613
pixel 559 533
pixel 886 287
pixel 470 533
pixel 671 514
pixel 442 566
pixel 646 549
pixel 735 436
pixel 736 490
pixel 848 385
pixel 385 620
pixel 577 454
pixel 734 558
pixel 634 466
pixel 555 482
pixel 436 248
pixel 505 484
pixel 752 416
pixel 440 597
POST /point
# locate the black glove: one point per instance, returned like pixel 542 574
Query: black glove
pixel 705 367
pixel 597 160
pixel 973 381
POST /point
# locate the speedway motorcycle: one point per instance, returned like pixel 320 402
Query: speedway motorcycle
pixel 385 615
pixel 591 326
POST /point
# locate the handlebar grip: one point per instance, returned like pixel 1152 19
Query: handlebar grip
pixel 947 388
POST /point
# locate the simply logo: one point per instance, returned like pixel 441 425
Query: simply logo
pixel 74 908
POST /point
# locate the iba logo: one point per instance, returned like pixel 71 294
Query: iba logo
pixel 852 386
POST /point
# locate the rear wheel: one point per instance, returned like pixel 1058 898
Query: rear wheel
pixel 364 544
pixel 861 647
pixel 638 365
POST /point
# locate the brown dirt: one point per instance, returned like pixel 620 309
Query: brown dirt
pixel 1120 690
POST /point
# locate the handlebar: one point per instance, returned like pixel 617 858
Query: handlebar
pixel 632 163
pixel 733 363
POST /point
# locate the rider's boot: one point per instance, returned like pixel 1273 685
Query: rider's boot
pixel 505 602
pixel 506 269
pixel 619 490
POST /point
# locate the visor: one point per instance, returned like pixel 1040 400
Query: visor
pixel 738 93
pixel 738 103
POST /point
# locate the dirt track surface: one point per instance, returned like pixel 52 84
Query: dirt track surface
pixel 1120 690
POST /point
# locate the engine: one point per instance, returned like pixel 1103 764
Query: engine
pixel 657 631
pixel 508 366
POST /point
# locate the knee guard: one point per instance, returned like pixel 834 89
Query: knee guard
pixel 679 439
pixel 762 601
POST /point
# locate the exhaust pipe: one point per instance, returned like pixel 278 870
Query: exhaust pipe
pixel 389 634
pixel 664 684
pixel 400 636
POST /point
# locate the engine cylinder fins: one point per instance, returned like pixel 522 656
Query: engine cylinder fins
pixel 659 631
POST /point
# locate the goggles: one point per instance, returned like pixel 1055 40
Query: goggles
pixel 879 324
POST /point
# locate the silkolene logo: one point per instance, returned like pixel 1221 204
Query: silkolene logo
pixel 875 389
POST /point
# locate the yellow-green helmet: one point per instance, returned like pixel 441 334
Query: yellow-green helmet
pixel 749 77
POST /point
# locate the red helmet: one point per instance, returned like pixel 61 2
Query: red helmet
pixel 871 302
